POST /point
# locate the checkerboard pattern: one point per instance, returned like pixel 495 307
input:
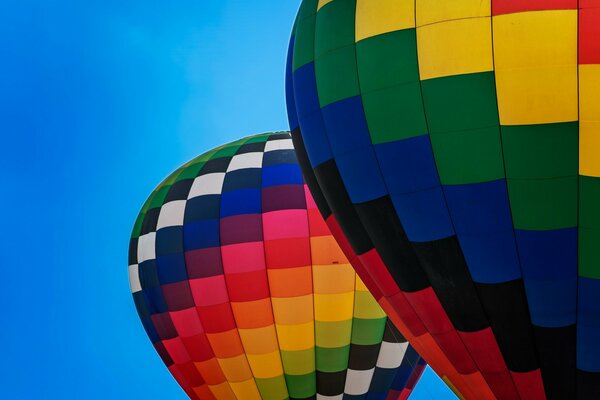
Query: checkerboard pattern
pixel 456 146
pixel 245 293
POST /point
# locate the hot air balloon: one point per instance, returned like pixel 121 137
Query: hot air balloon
pixel 244 292
pixel 456 145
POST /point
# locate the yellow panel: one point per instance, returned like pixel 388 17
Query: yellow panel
pixel 360 285
pixel 246 390
pixel 235 369
pixel 375 17
pixel 293 310
pixel 325 251
pixel 432 11
pixel 266 366
pixel 260 340
pixel 334 307
pixel 589 124
pixel 222 391
pixel 456 47
pixel 323 3
pixel 366 307
pixel 333 279
pixel 296 337
pixel 535 55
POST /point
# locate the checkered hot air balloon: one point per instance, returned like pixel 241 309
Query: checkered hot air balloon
pixel 456 143
pixel 244 292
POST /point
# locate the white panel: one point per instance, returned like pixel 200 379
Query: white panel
pixel 171 214
pixel 146 245
pixel 134 279
pixel 391 354
pixel 358 382
pixel 248 160
pixel 283 144
pixel 207 184
pixel 338 397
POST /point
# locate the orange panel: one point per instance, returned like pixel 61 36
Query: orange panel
pixel 226 344
pixel 290 282
pixel 210 371
pixel 253 314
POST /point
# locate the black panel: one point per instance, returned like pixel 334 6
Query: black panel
pixel 331 383
pixel 557 355
pixel 133 249
pixel 330 181
pixel 247 178
pixel 215 165
pixel 383 226
pixel 251 148
pixel 363 357
pixel 150 221
pixel 309 174
pixel 314 397
pixel 392 334
pixel 508 313
pixel 179 190
pixel 279 136
pixel 588 385
pixel 451 280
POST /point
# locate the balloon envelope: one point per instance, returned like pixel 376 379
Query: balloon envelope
pixel 455 144
pixel 246 295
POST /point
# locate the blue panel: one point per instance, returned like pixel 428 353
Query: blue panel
pixel 408 165
pixel 346 125
pixel 315 139
pixel 588 325
pixel 549 267
pixel 277 157
pixel 354 397
pixel 245 201
pixel 201 234
pixel 171 268
pixel 282 174
pixel 382 379
pixel 424 215
pixel 150 330
pixel 155 300
pixel 479 208
pixel 202 207
pixel 140 304
pixel 307 99
pixel 248 178
pixel 148 274
pixel 169 240
pixel 376 395
pixel 361 175
pixel 491 258
pixel 289 87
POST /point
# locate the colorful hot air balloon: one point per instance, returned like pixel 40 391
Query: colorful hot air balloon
pixel 456 143
pixel 244 292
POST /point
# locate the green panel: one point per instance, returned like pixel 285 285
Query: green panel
pixel 332 359
pixel 589 253
pixel 337 78
pixel 543 204
pixel 368 331
pixel 302 386
pixel 159 197
pixel 333 334
pixel 461 102
pixel 226 151
pixel 307 9
pixel 171 179
pixel 335 26
pixel 541 151
pixel 395 113
pixel 259 138
pixel 304 45
pixel 137 227
pixel 472 156
pixel 387 60
pixel 298 362
pixel 272 388
pixel 589 202
pixel 366 307
pixel 191 171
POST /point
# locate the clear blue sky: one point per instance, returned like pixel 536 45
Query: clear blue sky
pixel 99 100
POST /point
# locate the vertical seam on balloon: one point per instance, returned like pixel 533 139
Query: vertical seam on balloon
pixel 517 249
pixel 578 198
pixel 452 220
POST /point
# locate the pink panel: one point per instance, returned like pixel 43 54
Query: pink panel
pixel 243 257
pixel 209 291
pixel 285 224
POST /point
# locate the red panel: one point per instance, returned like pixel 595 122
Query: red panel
pixel 318 227
pixel 186 322
pixel 379 272
pixel 164 326
pixel 484 349
pixel 428 307
pixel 247 286
pixel 501 384
pixel 201 393
pixel 243 257
pixel 209 291
pixel 529 384
pixel 514 6
pixel 407 314
pixel 179 377
pixel 177 350
pixel 198 347
pixel 163 353
pixel 589 35
pixel 287 253
pixel 393 395
pixel 456 352
pixel 217 318
pixel 191 374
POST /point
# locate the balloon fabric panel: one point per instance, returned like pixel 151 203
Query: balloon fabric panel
pixel 455 146
pixel 246 295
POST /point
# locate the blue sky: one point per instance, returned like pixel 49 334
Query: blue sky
pixel 99 100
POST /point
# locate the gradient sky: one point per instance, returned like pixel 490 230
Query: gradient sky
pixel 99 100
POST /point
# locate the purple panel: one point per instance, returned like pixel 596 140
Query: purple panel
pixel 203 263
pixel 283 197
pixel 241 229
